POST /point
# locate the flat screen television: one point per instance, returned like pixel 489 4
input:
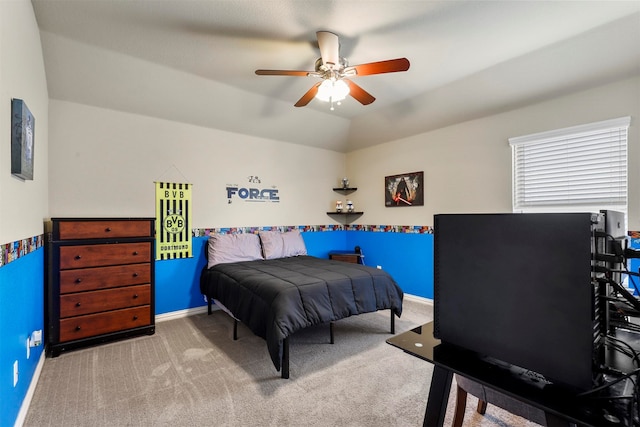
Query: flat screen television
pixel 518 288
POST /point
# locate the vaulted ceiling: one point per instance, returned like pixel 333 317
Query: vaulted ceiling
pixel 194 61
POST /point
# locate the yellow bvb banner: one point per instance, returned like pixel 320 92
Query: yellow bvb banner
pixel 173 221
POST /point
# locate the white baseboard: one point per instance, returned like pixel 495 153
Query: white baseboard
pixel 418 299
pixel 182 313
pixel 24 408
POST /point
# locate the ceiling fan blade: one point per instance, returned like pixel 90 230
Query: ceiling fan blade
pixel 282 73
pixel 329 48
pixel 307 97
pixel 361 95
pixel 381 67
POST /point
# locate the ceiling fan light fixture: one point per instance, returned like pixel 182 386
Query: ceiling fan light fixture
pixel 336 74
pixel 332 91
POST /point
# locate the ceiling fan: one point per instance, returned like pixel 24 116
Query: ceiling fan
pixel 335 73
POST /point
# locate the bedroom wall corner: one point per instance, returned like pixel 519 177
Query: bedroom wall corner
pixel 22 76
pixel 408 257
pixel 24 206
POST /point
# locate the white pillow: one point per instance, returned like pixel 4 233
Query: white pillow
pixel 224 248
pixel 272 244
pixel 281 245
pixel 293 243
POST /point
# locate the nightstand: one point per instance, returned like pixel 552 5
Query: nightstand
pixel 346 256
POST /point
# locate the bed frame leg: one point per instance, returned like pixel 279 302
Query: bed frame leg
pixel 285 358
pixel 331 332
pixel 209 310
pixel 235 329
pixel 393 323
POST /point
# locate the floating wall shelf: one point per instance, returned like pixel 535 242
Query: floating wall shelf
pixel 345 190
pixel 345 217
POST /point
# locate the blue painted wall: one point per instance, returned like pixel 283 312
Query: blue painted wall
pixel 178 281
pixel 21 312
pixel 634 266
pixel 407 257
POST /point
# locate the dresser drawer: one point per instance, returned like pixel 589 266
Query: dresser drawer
pixel 107 299
pixel 90 325
pixel 83 256
pixel 104 229
pixel 88 279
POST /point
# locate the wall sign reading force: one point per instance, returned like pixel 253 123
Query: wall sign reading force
pixel 252 192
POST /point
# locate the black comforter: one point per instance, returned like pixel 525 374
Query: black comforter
pixel 275 298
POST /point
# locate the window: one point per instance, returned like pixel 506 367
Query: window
pixel 579 169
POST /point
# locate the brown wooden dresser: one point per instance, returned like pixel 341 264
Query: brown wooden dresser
pixel 100 280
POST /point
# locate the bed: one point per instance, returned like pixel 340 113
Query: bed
pixel 269 283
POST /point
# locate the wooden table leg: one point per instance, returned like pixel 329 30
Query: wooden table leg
pixel 438 397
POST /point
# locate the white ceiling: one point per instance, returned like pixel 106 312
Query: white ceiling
pixel 194 61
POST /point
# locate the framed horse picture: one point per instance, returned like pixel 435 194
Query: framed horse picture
pixel 406 189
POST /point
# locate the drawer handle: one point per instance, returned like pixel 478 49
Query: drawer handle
pixel 135 274
pixel 135 252
pixel 108 229
pixel 135 296
pixel 78 304
pixel 78 256
pixel 78 328
pixel 79 280
pixel 135 317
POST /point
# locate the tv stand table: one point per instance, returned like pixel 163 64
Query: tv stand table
pixel 563 407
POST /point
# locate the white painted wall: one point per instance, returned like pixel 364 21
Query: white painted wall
pixel 468 166
pixel 23 204
pixel 104 163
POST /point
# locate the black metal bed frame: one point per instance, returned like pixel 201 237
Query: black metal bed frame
pixel 285 343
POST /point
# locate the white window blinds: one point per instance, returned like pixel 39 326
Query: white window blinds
pixel 577 168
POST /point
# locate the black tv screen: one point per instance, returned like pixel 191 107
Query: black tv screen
pixel 517 287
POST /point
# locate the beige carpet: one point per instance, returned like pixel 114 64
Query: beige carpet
pixel 191 372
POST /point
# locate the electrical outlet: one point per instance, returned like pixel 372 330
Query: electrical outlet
pixel 379 267
pixel 36 338
pixel 15 373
